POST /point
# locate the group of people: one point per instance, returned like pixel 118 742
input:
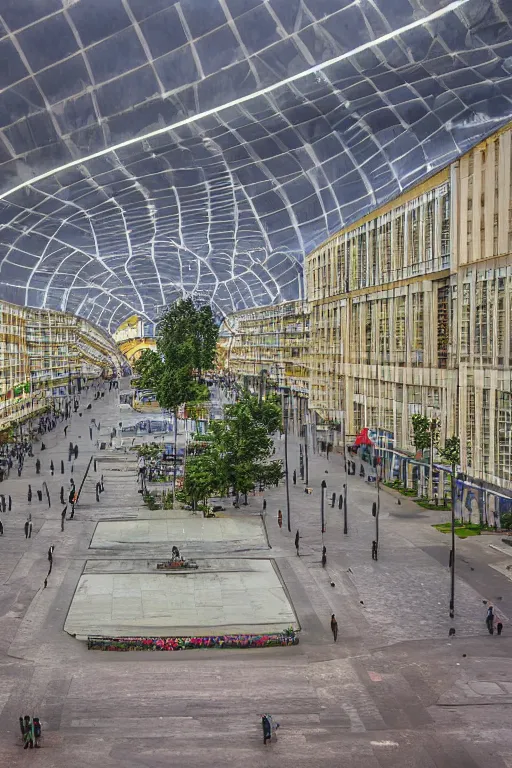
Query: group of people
pixel 492 621
pixel 30 732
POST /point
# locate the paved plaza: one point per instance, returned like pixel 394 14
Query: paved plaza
pixel 175 530
pixel 395 691
pixel 248 600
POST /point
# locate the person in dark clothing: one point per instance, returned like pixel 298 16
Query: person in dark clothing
pixel 1 528
pixel 27 733
pixel 490 620
pixel 279 518
pixel 50 553
pixel 38 466
pixel 499 627
pixel 294 477
pixel 36 727
pixel 334 627
pixel 63 517
pixel 26 529
pixel 324 556
pixel 264 504
pixel 267 730
pixel 76 451
pixel 297 539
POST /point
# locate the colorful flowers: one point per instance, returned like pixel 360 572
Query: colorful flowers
pixel 288 637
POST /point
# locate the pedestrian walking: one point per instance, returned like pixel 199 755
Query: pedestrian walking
pixel 1 528
pixel 30 529
pixel 63 517
pixel 10 504
pixel 267 729
pixel 499 627
pixel 334 627
pixel 264 504
pixel 490 620
pixel 38 466
pixel 66 430
pixel 22 728
pixel 26 529
pixel 50 553
pixel 76 452
pixel 324 557
pixel 36 726
pixel 297 539
pixel 28 740
pixel 279 518
pixel 29 496
pixel 294 477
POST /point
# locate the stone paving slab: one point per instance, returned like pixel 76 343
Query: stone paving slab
pixel 250 600
pixel 112 534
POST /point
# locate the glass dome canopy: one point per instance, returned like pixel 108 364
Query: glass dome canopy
pixel 153 149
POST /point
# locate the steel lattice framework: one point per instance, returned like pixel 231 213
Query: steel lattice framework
pixel 153 149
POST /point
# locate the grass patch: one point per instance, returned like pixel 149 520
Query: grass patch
pixel 429 505
pixel 463 530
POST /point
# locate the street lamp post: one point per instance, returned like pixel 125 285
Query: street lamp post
pixel 284 404
pixel 322 502
pixel 452 551
pixel 345 485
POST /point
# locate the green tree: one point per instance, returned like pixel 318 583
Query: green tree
pixel 245 443
pixel 201 479
pixel 150 367
pixel 421 427
pixel 451 451
pixel 186 346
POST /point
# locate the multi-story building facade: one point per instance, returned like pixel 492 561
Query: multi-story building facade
pixel 272 342
pixel 44 355
pixel 410 311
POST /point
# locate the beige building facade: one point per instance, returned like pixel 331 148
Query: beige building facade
pixel 42 353
pixel 410 311
pixel 270 342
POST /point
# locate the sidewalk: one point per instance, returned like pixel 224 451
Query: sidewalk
pixel 405 595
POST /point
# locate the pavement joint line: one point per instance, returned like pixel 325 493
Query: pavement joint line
pixel 500 549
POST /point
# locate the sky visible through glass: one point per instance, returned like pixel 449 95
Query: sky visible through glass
pixel 153 149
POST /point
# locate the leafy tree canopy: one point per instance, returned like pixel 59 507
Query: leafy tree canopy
pixel 451 451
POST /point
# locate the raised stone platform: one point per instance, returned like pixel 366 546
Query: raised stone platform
pixel 171 530
pixel 248 600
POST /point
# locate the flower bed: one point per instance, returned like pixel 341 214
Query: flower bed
pixel 289 637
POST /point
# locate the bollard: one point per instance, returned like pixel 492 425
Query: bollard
pixel 62 467
pixel 10 503
pixel 40 495
pixel 62 494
